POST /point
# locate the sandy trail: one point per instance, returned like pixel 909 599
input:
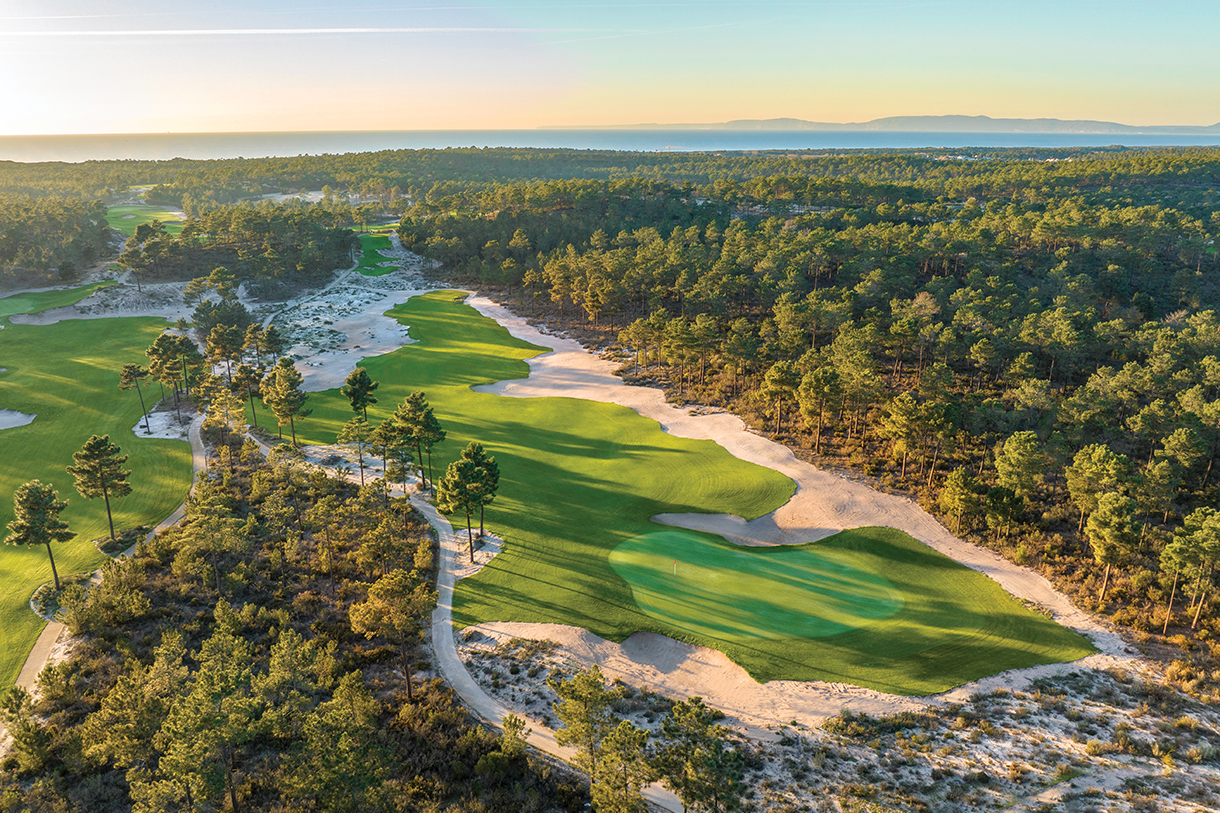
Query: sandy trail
pixel 822 505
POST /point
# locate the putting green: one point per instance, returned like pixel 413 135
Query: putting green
pixel 126 218
pixel 579 481
pixel 67 376
pixel 718 590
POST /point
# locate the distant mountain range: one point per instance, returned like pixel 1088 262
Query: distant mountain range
pixel 927 124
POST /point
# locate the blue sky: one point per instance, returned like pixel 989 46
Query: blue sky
pixel 141 66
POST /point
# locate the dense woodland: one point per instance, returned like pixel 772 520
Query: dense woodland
pixel 1026 341
pixel 255 657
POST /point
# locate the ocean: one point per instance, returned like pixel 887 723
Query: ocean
pixel 163 146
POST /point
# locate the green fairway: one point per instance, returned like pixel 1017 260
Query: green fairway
pixel 126 218
pixel 580 480
pixel 67 375
pixel 718 590
pixel 370 245
pixel 46 300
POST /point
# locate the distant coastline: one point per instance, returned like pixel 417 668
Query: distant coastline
pixel 743 138
pixel 930 124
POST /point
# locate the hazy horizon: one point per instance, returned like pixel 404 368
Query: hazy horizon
pixel 311 66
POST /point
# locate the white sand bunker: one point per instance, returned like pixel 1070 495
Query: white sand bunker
pixel 11 419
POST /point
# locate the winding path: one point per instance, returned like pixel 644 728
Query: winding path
pixel 455 672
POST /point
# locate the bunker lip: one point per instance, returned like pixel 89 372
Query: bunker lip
pixel 11 419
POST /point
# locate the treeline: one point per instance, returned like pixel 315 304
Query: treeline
pixel 1182 177
pixel 265 244
pixel 938 347
pixel 264 655
pixel 46 240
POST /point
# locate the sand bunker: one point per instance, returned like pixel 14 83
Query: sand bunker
pixel 11 419
pixel 823 505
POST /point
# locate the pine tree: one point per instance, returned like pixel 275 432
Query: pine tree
pixel 1111 532
pixel 99 472
pixel 358 389
pixel 283 395
pixel 695 760
pixel 623 771
pixel 584 709
pixel 36 510
pixel 488 474
pixel 130 377
pixel 395 608
pixel 458 491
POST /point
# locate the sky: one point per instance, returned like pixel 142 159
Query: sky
pixel 136 66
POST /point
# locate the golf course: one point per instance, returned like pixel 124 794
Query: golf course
pixel 66 375
pixel 370 256
pixel 127 218
pixel 579 480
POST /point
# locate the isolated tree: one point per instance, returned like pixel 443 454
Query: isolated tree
pixel 584 709
pixel 1095 470
pixel 1112 532
pixel 623 771
pixel 358 389
pixel 283 395
pixel 696 761
pixel 355 433
pixel 130 377
pixel 396 606
pixel 488 473
pixel 409 419
pixel 36 510
pixel 458 492
pixel 99 472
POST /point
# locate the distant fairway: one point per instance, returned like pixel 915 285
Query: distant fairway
pixel 370 245
pixel 67 375
pixel 580 479
pixel 126 218
pixel 46 300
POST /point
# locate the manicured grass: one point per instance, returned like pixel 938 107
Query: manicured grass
pixel 46 300
pixel 371 255
pixel 579 481
pixel 126 218
pixel 67 375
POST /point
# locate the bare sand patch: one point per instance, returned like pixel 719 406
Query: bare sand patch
pixel 11 419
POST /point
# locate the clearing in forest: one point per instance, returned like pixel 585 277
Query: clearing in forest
pixel 370 245
pixel 579 481
pixel 126 218
pixel 67 375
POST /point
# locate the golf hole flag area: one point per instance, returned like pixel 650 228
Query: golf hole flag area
pixel 579 480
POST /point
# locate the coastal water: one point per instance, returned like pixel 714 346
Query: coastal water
pixel 163 146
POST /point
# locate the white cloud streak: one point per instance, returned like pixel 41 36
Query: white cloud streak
pixel 288 32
